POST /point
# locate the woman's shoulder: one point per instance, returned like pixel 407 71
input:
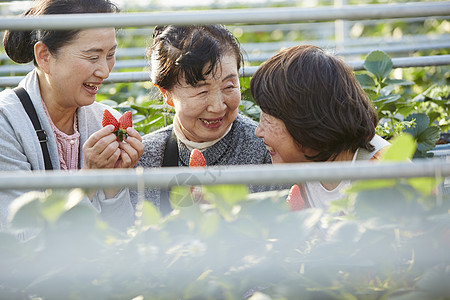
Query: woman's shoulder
pixel 158 136
pixel 154 146
pixel 244 127
pixel 379 144
pixel 246 122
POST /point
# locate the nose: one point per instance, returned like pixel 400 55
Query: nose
pixel 103 69
pixel 216 103
pixel 259 132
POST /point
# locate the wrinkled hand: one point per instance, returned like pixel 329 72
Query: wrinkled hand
pixel 131 150
pixel 101 150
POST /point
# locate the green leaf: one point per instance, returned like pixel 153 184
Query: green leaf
pixel 231 194
pixel 53 206
pixel 109 102
pixel 25 211
pixel 180 196
pixel 424 185
pixel 387 99
pixel 150 214
pixel 365 80
pixel 379 64
pixel 224 197
pixel 209 225
pixel 399 82
pixel 362 185
pixel 371 94
pixel 402 148
pixel 427 139
pixel 422 121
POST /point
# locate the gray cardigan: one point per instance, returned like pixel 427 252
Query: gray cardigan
pixel 20 149
pixel 239 147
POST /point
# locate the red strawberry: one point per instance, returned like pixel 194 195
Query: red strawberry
pixel 109 119
pixel 120 127
pixel 295 199
pixel 196 159
pixel 126 120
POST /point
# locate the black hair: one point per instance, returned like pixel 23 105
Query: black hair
pixel 184 51
pixel 19 45
pixel 318 98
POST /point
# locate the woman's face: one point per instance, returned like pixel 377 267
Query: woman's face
pixel 207 110
pixel 77 70
pixel 282 147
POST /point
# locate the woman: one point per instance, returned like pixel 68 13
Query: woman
pixel 70 66
pixel 196 69
pixel 314 110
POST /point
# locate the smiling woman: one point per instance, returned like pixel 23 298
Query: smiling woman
pixel 196 69
pixel 69 68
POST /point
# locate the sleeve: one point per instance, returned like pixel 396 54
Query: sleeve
pixel 12 158
pixel 117 212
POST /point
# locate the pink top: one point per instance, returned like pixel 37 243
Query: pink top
pixel 68 145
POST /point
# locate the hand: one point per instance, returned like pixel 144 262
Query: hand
pixel 101 150
pixel 132 149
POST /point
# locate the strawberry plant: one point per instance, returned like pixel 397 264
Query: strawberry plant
pixel 423 116
pixel 393 242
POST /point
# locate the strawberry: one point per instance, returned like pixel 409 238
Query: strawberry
pixel 120 127
pixel 126 120
pixel 196 159
pixel 294 199
pixel 109 119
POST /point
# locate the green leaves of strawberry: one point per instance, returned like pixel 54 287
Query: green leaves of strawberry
pixel 121 125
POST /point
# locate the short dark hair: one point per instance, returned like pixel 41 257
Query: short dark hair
pixel 318 98
pixel 184 51
pixel 19 45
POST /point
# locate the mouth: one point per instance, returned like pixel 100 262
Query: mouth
pixel 92 87
pixel 270 149
pixel 212 123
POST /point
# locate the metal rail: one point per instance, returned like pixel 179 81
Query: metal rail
pixel 401 62
pixel 250 174
pixel 228 16
pixel 143 63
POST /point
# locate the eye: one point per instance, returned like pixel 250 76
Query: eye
pixel 111 55
pixel 93 58
pixel 202 93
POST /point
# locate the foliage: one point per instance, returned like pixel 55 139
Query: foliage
pixel 393 242
pixel 423 116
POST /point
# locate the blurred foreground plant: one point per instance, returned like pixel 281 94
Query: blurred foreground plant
pixel 392 242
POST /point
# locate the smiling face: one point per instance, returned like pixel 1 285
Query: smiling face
pixel 74 74
pixel 282 147
pixel 206 111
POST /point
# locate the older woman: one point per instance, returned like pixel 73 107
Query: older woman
pixel 314 110
pixel 197 70
pixel 70 66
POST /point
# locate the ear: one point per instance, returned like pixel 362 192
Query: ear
pixel 42 56
pixel 166 95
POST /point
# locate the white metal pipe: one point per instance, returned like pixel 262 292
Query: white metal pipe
pixel 228 16
pixel 401 62
pixel 143 63
pixel 249 174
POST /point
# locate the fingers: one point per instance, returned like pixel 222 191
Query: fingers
pixel 101 150
pixel 132 149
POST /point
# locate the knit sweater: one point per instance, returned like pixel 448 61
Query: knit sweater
pixel 239 146
pixel 20 149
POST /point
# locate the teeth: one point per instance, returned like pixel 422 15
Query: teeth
pixel 269 148
pixel 210 122
pixel 92 85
